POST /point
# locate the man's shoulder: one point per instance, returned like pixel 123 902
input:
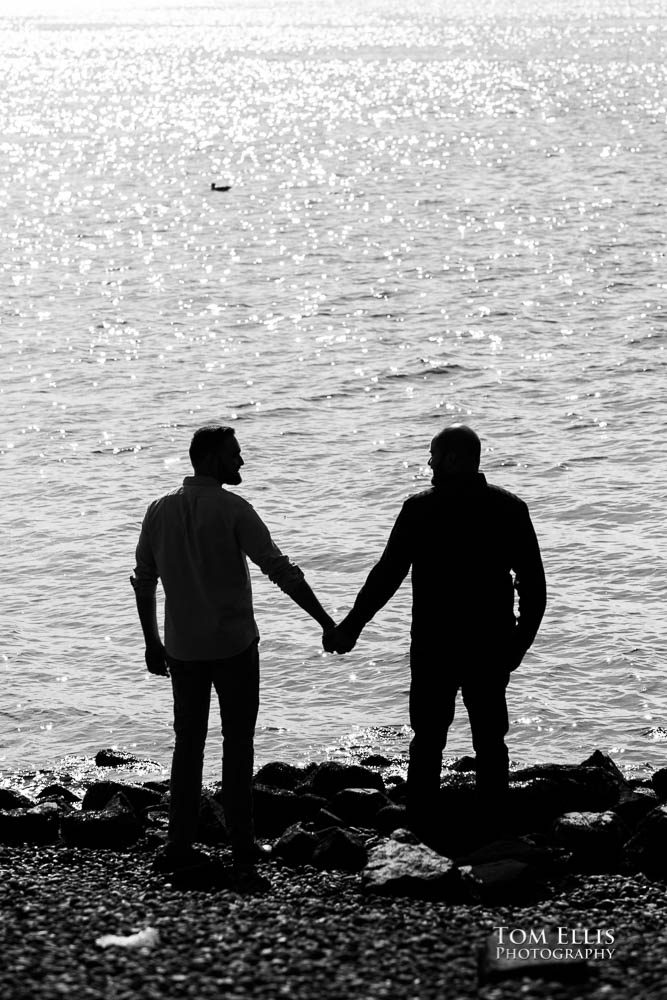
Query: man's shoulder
pixel 504 497
pixel 165 499
pixel 224 496
pixel 230 504
pixel 236 503
pixel 415 500
pixel 217 502
pixel 418 503
pixel 485 492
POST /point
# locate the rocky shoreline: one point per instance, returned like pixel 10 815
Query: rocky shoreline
pixel 353 903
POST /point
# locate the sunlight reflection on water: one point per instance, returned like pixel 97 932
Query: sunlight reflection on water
pixel 433 216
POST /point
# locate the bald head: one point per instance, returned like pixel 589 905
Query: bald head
pixel 455 451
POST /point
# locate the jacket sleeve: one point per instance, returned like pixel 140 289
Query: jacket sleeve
pixel 255 540
pixel 388 573
pixel 530 582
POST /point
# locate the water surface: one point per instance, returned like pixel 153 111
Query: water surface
pixel 440 213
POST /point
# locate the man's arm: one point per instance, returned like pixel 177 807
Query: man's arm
pixel 154 656
pixel 306 599
pixel 255 540
pixel 381 584
pixel 530 584
pixel 144 583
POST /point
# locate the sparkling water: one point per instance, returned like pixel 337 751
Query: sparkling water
pixel 437 212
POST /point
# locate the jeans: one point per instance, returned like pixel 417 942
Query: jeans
pixel 236 682
pixel 433 692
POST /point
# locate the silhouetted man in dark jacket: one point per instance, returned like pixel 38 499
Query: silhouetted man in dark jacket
pixel 470 545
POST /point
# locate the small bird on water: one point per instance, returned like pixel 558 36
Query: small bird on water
pixel 220 187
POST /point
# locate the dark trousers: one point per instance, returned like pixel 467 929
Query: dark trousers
pixel 236 682
pixel 433 690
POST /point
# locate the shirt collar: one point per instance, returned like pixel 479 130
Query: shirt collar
pixel 201 482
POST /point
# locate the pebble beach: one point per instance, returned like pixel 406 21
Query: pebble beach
pixel 298 933
pixel 83 920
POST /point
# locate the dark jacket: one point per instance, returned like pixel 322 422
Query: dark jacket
pixel 470 546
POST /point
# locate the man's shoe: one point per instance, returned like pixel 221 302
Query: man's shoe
pixel 174 857
pixel 255 854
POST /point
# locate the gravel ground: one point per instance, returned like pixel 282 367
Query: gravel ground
pixel 296 933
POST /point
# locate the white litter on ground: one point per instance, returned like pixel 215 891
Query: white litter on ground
pixel 147 938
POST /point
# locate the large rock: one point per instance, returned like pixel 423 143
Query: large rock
pixel 275 809
pixel 112 757
pixel 634 804
pixel 375 760
pixel 464 765
pixel 594 839
pixel 659 782
pixel 391 818
pixel 340 850
pixel 37 825
pixel 456 786
pixel 404 836
pixel 331 776
pixel 358 806
pixel 517 849
pixel 396 868
pixel 296 846
pixel 9 799
pixel 58 793
pixel 311 805
pixel 538 795
pixel 277 774
pixel 605 763
pixel 397 791
pixel 646 848
pixel 116 826
pixel 326 820
pixel 161 785
pixel 100 793
pixel 59 807
pixel 504 880
pixel 157 820
pixel 576 787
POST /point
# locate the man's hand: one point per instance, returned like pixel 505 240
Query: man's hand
pixel 342 638
pixel 156 660
pixel 329 639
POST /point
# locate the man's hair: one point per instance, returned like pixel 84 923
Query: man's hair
pixel 463 442
pixel 208 440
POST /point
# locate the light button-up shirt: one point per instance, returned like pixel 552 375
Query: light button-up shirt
pixel 196 540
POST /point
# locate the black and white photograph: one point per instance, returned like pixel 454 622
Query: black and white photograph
pixel 333 465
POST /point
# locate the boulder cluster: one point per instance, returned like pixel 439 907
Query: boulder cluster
pixel 557 819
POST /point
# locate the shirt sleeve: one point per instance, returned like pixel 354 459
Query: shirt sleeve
pixel 530 582
pixel 145 575
pixel 389 572
pixel 255 540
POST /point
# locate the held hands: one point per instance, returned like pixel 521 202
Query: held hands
pixel 342 638
pixel 155 659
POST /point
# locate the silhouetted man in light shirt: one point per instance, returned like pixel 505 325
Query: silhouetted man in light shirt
pixel 196 540
pixel 470 545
